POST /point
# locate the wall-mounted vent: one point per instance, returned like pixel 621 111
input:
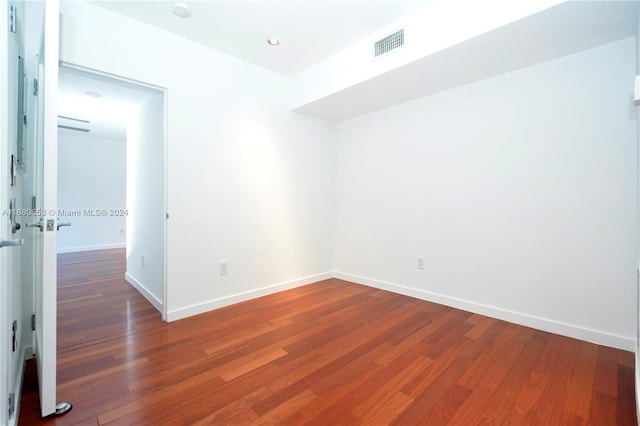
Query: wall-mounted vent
pixel 67 127
pixel 389 43
pixel 74 119
pixel 76 129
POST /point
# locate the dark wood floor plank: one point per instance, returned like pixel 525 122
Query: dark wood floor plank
pixel 603 409
pixel 240 407
pixel 345 350
pixel 287 407
pixel 388 382
pixel 480 325
pixel 445 408
pixel 426 397
pixel 326 353
pixel 581 387
pixel 504 397
pixel 532 389
pixel 553 401
pixel 427 326
pixel 626 401
pixel 606 380
pixel 389 411
pixel 500 345
pixel 336 388
pixel 473 409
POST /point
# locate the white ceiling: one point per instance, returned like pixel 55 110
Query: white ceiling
pixel 309 30
pixel 562 30
pixel 104 117
pixel 313 30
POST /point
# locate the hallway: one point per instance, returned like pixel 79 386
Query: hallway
pixel 95 303
pixel 96 306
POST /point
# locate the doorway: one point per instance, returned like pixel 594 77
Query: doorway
pixel 111 169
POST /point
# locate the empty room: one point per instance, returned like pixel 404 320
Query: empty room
pixel 365 212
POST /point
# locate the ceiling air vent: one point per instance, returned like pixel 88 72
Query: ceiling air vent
pixel 389 43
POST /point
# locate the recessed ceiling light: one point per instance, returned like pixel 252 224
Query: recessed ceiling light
pixel 182 10
pixel 93 94
pixel 273 41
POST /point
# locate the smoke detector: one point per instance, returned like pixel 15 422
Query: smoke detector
pixel 182 10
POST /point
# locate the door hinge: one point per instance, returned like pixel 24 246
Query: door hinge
pixel 14 334
pixel 35 87
pixel 12 404
pixel 33 322
pixel 13 12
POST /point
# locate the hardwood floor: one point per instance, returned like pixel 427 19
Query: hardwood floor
pixel 325 354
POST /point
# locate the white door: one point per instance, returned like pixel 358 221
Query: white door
pixel 45 292
pixel 4 280
pixel 10 290
pixel 11 130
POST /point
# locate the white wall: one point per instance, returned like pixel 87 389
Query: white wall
pixel 146 201
pixel 520 191
pixel 91 177
pixel 248 181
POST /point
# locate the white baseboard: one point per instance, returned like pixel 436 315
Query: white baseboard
pixel 91 248
pixel 28 352
pixel 551 326
pixel 241 297
pixel 157 303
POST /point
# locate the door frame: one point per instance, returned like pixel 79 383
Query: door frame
pixel 164 93
pixel 46 309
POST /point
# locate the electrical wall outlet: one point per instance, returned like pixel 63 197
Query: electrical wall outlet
pixel 421 262
pixel 223 268
pixel 142 260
